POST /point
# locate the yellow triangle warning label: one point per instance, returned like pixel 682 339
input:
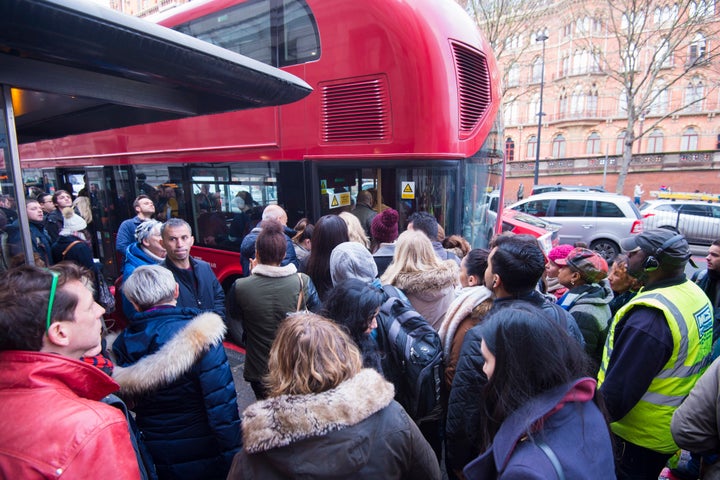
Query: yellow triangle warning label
pixel 408 188
pixel 334 202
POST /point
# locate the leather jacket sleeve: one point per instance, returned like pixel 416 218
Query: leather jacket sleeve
pixel 312 299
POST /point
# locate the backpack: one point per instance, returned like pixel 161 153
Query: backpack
pixel 413 356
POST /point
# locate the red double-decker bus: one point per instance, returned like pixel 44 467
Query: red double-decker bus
pixel 404 103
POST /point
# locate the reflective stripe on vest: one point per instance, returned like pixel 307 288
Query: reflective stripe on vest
pixel 688 314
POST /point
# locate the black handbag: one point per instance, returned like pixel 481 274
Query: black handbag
pixel 105 296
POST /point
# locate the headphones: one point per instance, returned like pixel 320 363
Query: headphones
pixel 652 263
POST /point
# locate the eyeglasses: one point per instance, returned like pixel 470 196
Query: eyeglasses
pixel 53 288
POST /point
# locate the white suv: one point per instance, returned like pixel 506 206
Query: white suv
pixel 600 220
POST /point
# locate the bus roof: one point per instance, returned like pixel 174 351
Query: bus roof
pixel 77 67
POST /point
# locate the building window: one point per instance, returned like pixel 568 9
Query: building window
pixel 659 99
pixel 689 141
pixel 577 101
pixel 623 103
pixel 620 143
pixel 655 142
pixel 696 51
pixel 593 144
pixel 702 8
pixel 592 103
pixel 509 149
pixel 563 103
pixel 558 147
pixel 663 55
pixel 536 70
pixel 510 113
pixel 694 93
pixel 532 147
pixel 514 75
pixel 533 109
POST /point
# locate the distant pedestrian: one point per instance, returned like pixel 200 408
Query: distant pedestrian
pixel 521 192
pixel 638 193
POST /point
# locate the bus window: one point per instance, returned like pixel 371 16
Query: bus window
pixel 248 29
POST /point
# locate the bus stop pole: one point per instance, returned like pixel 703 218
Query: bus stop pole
pixel 13 166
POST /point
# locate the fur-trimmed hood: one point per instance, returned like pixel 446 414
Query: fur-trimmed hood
pixel 418 283
pixel 280 421
pixel 157 349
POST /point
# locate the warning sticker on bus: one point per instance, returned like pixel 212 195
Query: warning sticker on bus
pixel 339 199
pixel 407 190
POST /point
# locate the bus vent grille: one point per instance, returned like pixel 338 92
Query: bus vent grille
pixel 474 87
pixel 355 112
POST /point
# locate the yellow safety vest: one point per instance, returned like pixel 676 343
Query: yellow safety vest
pixel 689 315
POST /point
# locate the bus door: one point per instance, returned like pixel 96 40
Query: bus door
pixel 431 187
pixel 96 198
pixel 339 186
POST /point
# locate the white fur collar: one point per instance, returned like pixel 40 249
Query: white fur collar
pixel 175 358
pixel 271 271
pixel 280 421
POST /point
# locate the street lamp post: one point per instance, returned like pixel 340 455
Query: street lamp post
pixel 540 38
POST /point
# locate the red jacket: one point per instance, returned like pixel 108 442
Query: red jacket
pixel 53 425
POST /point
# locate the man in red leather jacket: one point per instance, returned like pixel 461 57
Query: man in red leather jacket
pixel 53 424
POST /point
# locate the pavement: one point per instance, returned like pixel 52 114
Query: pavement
pixel 236 358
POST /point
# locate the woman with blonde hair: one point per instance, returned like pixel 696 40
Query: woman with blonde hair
pixel 427 281
pixel 323 405
pixel 355 229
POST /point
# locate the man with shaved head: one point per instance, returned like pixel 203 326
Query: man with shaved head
pixel 277 214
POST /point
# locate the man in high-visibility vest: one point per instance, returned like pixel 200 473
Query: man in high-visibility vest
pixel 657 347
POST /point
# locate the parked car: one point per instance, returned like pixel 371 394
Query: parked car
pixel 598 219
pixel 698 221
pixel 545 231
pixel 517 222
pixel 538 189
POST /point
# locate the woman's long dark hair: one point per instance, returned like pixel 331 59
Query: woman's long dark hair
pixel 533 354
pixel 352 304
pixel 330 231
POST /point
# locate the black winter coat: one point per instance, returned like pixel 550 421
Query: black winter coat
pixel 199 287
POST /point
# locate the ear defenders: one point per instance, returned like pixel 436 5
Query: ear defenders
pixel 652 263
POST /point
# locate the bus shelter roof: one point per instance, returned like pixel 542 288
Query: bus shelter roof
pixel 70 66
pixel 77 66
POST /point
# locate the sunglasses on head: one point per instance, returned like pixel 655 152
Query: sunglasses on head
pixel 53 289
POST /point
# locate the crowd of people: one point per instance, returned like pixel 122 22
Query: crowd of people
pixel 553 364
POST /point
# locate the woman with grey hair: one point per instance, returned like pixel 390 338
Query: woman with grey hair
pixel 171 364
pixel 147 250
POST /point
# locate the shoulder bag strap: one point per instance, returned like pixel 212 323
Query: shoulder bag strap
pixel 552 457
pixel 69 247
pixel 301 295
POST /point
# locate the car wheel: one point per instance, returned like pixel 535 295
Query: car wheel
pixel 606 248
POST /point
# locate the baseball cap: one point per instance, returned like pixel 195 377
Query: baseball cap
pixel 589 264
pixel 666 245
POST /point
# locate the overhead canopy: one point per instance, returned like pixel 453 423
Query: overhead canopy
pixel 77 67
